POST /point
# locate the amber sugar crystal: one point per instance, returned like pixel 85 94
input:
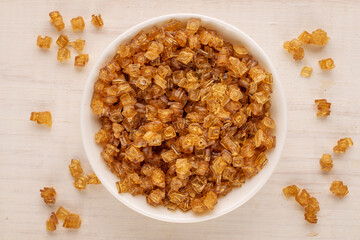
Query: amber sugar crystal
pixel 80 182
pixel 319 37
pixel 295 48
pixel 63 54
pixel 306 72
pixel 78 44
pixel 62 41
pixel 185 116
pixel 305 37
pixel 323 107
pixel 72 221
pixel 57 20
pixel 52 222
pixel 44 42
pixel 81 60
pixel 77 24
pixel 339 189
pixel 291 191
pixel 326 162
pixel 327 64
pixel 42 118
pixel 75 168
pixel 303 198
pixel 62 213
pixel 92 179
pixel 343 145
pixel 97 20
pixel 48 194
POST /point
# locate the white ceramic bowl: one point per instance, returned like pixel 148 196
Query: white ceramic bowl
pixel 90 125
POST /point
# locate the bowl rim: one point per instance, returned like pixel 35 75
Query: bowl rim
pixel 153 21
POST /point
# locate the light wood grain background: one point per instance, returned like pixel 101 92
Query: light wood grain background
pixel 33 156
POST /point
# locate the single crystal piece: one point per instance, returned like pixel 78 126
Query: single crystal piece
pixel 77 24
pixel 57 20
pixel 161 82
pixel 235 93
pixel 165 115
pixel 52 222
pixel 235 65
pixel 327 64
pixel 181 38
pixel 239 119
pixel 117 129
pixel 142 82
pixel 323 107
pixel 48 194
pixel 81 60
pixel 101 136
pixel 75 168
pixel 80 182
pixel 44 42
pixel 97 20
pixel 306 72
pixel 197 206
pixel 133 70
pixel 158 178
pixel 42 118
pixel 62 41
pixel 291 191
pixel 214 132
pixel 169 133
pixel 339 189
pixel 303 198
pixel 127 100
pixel 183 168
pixel 343 145
pixel 172 25
pixel 210 200
pixel 305 37
pixel 154 50
pixel 155 197
pixel 63 54
pixel 92 179
pixel 240 51
pixel 186 55
pixel 129 112
pixel 218 165
pixel 319 37
pixel 230 145
pixel 72 221
pixel 62 213
pixel 78 44
pixel 153 138
pixel 326 162
pixel 193 25
pixel 169 156
pixel 134 154
pixel 229 173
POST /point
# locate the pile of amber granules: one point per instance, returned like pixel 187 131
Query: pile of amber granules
pixel 338 188
pixel 77 25
pixel 185 116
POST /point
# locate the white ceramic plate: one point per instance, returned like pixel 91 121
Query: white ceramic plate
pixel 90 125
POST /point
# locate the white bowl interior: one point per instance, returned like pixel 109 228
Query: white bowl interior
pixel 90 125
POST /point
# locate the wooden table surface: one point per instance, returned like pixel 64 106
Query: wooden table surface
pixel 33 156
